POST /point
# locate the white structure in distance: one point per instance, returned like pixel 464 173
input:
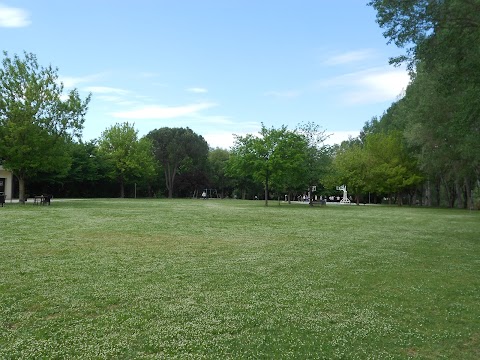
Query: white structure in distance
pixel 345 199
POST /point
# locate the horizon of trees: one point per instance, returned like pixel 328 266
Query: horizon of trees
pixel 423 150
pixel 379 164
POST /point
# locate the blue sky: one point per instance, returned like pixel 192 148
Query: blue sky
pixel 220 67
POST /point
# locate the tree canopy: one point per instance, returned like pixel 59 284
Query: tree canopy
pixel 178 150
pixel 36 119
pixel 131 158
pixel 440 112
pixel 276 157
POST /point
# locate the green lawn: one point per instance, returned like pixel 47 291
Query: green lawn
pixel 222 279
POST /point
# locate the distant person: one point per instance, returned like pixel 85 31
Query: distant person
pixel 204 195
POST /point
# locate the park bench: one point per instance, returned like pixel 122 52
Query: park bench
pixel 42 199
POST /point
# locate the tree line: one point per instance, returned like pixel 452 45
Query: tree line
pixel 423 150
pixel 438 119
pixel 40 142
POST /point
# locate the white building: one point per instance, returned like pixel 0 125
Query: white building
pixel 6 183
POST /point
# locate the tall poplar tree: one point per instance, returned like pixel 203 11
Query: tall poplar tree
pixel 442 103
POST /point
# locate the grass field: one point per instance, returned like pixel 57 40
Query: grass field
pixel 215 279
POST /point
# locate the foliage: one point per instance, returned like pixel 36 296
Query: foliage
pixel 178 150
pixel 218 160
pixel 237 167
pixel 440 113
pixel 350 168
pixel 276 157
pixel 90 279
pixel 131 158
pixel 86 162
pixel 392 169
pixel 86 177
pixel 318 155
pixel 381 164
pixel 36 123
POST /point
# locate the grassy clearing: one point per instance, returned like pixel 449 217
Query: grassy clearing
pixel 233 279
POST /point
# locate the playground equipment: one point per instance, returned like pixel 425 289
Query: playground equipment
pixel 345 199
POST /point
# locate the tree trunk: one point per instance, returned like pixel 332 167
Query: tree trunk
pixel 428 195
pixel 468 189
pixel 266 194
pixel 169 179
pixel 450 193
pixel 266 189
pixel 122 188
pixel 460 190
pixel 437 193
pixel 399 199
pixel 412 198
pixel 21 190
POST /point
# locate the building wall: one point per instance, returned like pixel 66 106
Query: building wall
pixel 8 176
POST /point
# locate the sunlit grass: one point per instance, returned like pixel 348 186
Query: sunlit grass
pixel 233 279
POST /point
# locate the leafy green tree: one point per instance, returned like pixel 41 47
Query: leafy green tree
pixel 131 158
pixel 442 104
pixel 318 155
pixel 291 163
pixel 417 24
pixel 392 169
pixel 89 173
pixel 350 167
pixel 276 157
pixel 237 167
pixel 85 163
pixel 218 160
pixel 36 122
pixel 178 150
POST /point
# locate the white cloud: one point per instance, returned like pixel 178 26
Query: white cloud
pixel 370 86
pixel 70 82
pixel 106 90
pixel 163 112
pixel 222 140
pixel 349 57
pixel 117 100
pixel 336 137
pixel 13 17
pixel 378 86
pixel 197 90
